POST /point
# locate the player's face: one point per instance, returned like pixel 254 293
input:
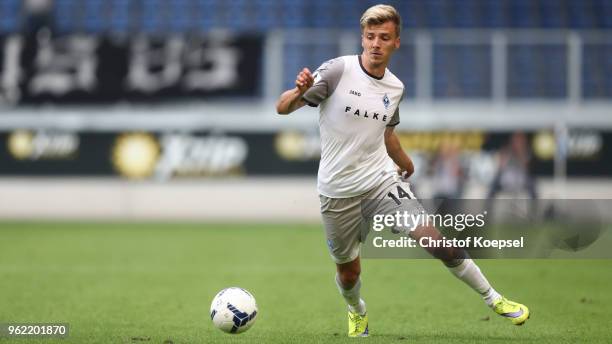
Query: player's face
pixel 379 42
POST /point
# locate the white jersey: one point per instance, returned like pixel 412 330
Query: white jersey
pixel 355 109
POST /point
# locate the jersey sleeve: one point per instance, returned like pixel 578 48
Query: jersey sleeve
pixel 395 119
pixel 326 79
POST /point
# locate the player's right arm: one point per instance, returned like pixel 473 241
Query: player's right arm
pixel 291 100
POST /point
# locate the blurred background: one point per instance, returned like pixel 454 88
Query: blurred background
pixel 151 109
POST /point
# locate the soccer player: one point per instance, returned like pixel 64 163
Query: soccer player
pixel 358 99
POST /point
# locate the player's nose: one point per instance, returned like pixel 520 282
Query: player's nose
pixel 376 43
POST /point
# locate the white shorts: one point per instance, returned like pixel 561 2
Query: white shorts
pixel 346 219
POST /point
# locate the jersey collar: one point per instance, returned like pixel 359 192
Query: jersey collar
pixel 365 71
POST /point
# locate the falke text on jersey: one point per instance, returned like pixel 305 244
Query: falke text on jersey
pixel 365 114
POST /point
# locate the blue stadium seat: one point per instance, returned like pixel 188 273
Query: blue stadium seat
pixel 552 14
pixel 477 76
pixel 441 73
pixel 465 14
pixel 438 12
pixel 292 14
pixel 462 71
pixel 602 11
pixel 606 13
pixel 299 54
pixel 537 71
pixel 403 66
pixel 65 15
pixel 231 16
pixel 203 14
pixel 579 13
pixel 94 15
pixel 151 21
pixel 522 14
pixel 346 18
pixel 555 66
pixel 324 17
pixel 596 69
pixel 266 14
pixel 521 72
pixel 178 16
pixel 9 20
pixel 119 16
pixel 494 14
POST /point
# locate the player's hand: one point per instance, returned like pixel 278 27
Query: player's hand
pixel 304 80
pixel 403 173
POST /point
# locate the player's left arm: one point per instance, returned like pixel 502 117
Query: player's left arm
pixel 397 153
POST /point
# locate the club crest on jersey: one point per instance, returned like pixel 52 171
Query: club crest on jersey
pixel 386 101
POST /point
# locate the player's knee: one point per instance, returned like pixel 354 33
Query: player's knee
pixel 452 263
pixel 349 274
pixel 348 278
pixel 450 256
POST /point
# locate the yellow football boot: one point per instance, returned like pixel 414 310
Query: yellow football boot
pixel 516 312
pixel 357 324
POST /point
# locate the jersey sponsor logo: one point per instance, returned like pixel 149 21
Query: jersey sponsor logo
pixel 365 114
pixel 353 92
pixel 386 101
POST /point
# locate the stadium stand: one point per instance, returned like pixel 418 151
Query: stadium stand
pixel 459 71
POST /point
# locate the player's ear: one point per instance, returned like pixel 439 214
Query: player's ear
pixel 397 43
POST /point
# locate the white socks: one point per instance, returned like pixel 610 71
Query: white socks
pixel 469 273
pixel 352 297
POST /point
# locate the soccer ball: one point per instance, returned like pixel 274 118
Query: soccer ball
pixel 233 310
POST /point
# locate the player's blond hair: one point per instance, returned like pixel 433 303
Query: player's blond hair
pixel 380 14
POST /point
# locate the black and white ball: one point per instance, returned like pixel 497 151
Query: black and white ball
pixel 233 310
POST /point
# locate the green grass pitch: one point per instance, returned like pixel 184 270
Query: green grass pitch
pixel 153 283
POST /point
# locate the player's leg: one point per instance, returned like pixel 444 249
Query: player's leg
pixel 456 260
pixel 349 285
pixel 343 225
pixel 459 264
